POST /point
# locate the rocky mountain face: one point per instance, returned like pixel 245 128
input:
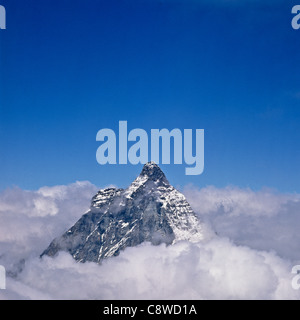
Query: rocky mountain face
pixel 150 209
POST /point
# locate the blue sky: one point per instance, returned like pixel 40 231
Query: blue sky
pixel 70 68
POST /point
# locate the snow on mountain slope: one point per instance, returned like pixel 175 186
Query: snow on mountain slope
pixel 150 209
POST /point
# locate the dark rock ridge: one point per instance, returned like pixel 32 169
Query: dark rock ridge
pixel 150 209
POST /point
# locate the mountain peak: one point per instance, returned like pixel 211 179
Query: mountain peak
pixel 149 210
pixel 152 171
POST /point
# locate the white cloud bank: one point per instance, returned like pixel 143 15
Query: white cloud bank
pixel 264 220
pixel 216 269
pixel 30 220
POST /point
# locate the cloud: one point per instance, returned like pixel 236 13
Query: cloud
pixel 236 201
pixel 264 220
pixel 29 220
pixel 219 268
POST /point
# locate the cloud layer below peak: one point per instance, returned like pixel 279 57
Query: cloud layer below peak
pixel 251 258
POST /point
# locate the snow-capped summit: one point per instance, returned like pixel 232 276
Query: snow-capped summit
pixel 150 209
pixel 153 172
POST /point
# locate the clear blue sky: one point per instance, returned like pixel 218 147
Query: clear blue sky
pixel 70 68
